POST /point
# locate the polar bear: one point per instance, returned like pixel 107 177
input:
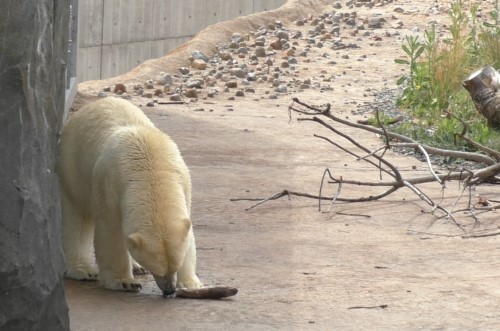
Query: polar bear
pixel 125 188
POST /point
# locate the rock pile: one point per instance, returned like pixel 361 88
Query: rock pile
pixel 265 63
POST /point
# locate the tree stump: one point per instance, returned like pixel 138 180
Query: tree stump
pixel 484 88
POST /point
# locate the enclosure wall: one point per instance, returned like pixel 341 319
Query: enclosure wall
pixel 117 35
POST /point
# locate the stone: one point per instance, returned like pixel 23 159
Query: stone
pixel 199 65
pixel 120 88
pixel 238 72
pixel 165 79
pixel 191 93
pixel 232 84
pixel 194 83
pixel 175 97
pixel 281 88
pixel 236 38
pixel 260 41
pixel 32 103
pixel 351 21
pixel 225 77
pixel 260 51
pixel 398 25
pixel 252 76
pixel 375 22
pixel 242 50
pixel 184 70
pixel 240 93
pixel 197 55
pixel 225 56
pixel 282 35
pixel 320 27
pixel 212 92
pixel 210 81
pixel 276 44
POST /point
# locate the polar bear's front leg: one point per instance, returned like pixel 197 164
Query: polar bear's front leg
pixel 115 270
pixel 137 269
pixel 186 276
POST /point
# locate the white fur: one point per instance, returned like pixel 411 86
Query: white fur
pixel 125 187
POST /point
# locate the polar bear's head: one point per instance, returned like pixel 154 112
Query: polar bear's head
pixel 161 250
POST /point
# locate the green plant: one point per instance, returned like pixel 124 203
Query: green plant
pixel 413 50
pixel 490 37
pixel 436 69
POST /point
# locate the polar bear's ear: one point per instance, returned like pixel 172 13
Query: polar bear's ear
pixel 135 240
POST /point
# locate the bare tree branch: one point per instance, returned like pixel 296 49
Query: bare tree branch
pixel 377 159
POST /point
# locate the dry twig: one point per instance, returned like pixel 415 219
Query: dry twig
pixel 469 178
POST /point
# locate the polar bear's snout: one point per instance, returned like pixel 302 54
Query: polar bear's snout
pixel 166 283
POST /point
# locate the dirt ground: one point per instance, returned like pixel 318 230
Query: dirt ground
pixel 382 265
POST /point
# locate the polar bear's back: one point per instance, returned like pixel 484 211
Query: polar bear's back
pixel 107 113
pixel 95 138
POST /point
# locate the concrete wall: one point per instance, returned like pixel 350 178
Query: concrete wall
pixel 117 35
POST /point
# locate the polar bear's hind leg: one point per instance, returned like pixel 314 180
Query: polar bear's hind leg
pixel 78 235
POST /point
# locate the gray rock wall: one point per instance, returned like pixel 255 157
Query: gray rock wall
pixel 33 48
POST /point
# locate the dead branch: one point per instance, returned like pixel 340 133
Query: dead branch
pixel 377 159
pixel 463 135
pixel 477 157
pixel 480 235
pixel 369 307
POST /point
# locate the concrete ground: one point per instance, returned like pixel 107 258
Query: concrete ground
pixel 384 265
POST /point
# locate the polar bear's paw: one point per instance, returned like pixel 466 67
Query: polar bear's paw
pixel 82 272
pixel 138 269
pixel 123 284
pixel 189 282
